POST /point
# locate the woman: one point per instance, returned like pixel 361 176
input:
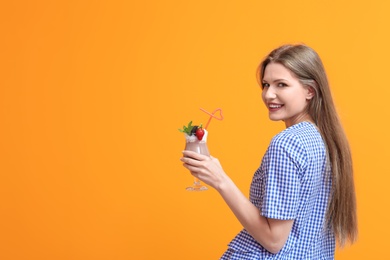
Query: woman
pixel 302 197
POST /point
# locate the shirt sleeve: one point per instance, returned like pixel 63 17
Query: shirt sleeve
pixel 282 165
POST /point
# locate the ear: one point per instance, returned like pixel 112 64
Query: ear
pixel 310 92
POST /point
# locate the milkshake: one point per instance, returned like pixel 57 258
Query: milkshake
pixel 196 141
pixel 198 146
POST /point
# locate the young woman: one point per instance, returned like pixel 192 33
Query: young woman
pixel 302 197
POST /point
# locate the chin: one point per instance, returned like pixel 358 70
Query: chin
pixel 274 118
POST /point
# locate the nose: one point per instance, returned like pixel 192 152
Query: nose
pixel 269 93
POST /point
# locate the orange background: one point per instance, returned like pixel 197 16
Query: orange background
pixel 93 92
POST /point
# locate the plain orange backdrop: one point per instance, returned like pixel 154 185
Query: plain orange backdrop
pixel 92 94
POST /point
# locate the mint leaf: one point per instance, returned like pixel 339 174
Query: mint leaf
pixel 187 129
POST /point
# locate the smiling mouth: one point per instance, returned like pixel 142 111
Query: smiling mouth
pixel 274 106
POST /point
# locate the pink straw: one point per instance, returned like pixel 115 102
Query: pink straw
pixel 212 115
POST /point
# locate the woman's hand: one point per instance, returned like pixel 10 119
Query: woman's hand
pixel 205 168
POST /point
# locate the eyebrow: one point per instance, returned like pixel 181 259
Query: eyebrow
pixel 276 80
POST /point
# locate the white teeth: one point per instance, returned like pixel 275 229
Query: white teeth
pixel 274 106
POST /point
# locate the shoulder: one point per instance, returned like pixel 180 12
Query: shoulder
pixel 289 137
pixel 298 134
pixel 295 141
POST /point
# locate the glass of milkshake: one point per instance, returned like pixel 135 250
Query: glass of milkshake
pixel 196 141
pixel 198 146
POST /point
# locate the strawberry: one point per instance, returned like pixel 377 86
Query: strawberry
pixel 199 133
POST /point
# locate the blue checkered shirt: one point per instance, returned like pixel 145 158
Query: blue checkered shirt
pixel 292 182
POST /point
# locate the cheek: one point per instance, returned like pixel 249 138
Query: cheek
pixel 263 95
pixel 300 103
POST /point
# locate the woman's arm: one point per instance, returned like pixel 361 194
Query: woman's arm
pixel 272 234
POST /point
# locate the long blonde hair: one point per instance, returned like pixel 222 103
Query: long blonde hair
pixel 306 64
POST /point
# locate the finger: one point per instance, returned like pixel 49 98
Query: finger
pixel 193 170
pixel 191 161
pixel 194 155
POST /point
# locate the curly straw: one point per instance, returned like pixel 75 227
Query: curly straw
pixel 212 115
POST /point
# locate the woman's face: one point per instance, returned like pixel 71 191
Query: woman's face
pixel 284 96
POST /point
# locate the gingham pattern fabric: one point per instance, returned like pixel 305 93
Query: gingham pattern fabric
pixel 292 182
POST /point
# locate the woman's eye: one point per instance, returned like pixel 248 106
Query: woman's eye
pixel 265 85
pixel 282 85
